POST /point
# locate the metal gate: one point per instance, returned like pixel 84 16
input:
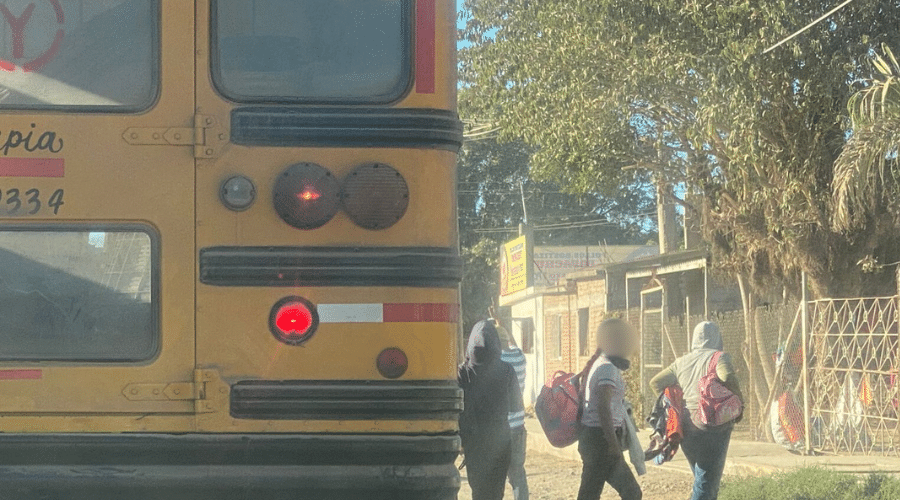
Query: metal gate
pixel 653 325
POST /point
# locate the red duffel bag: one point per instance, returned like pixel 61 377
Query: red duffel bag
pixel 558 409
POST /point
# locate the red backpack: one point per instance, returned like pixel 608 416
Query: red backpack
pixel 718 405
pixel 558 409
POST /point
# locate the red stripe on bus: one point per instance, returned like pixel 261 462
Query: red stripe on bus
pixel 21 374
pixel 425 39
pixel 32 167
pixel 421 313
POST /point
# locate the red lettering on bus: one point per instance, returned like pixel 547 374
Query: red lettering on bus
pixel 18 24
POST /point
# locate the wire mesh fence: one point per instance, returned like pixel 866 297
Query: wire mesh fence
pixel 850 402
pixel 754 356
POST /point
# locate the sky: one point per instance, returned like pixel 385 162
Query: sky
pixel 459 4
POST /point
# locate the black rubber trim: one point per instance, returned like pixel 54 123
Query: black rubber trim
pixel 375 482
pixel 228 466
pixel 225 449
pixel 346 400
pixel 356 127
pixel 328 266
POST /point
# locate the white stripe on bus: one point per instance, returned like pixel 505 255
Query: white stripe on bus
pixel 351 313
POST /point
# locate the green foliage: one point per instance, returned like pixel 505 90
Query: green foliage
pixel 489 199
pixel 811 484
pixel 866 172
pixel 681 89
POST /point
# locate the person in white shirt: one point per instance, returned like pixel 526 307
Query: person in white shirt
pixel 603 415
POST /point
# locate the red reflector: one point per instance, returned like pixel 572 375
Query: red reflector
pixel 392 363
pixel 293 320
pixel 309 194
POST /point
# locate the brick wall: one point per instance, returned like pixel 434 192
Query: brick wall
pixel 586 294
pixel 591 295
pixel 560 308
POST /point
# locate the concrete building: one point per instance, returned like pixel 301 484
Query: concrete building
pixel 555 325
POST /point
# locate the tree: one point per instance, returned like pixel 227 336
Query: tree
pixel 490 208
pixel 866 175
pixel 682 89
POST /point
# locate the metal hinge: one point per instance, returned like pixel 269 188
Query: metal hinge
pixel 172 391
pixel 207 136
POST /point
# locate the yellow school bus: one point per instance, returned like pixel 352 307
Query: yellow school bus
pixel 228 249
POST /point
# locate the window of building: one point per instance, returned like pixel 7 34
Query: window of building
pixel 555 337
pixel 527 334
pixel 584 318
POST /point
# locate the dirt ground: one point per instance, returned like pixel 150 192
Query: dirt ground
pixel 552 478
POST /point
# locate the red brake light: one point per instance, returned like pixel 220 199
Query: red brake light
pixel 392 363
pixel 293 320
pixel 306 196
pixel 309 194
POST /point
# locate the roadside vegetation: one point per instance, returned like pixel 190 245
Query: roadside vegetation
pixel 812 484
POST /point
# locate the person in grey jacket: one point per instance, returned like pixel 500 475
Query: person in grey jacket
pixel 704 447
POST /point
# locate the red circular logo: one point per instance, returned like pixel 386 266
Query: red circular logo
pixel 18 24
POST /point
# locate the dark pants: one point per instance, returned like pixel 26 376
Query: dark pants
pixel 486 468
pixel 517 477
pixel 705 451
pixel 599 467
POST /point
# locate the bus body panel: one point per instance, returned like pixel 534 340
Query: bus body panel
pixel 223 409
pixel 108 182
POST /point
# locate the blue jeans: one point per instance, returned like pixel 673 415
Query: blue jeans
pixel 705 451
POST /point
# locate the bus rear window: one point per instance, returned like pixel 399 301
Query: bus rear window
pixel 77 295
pixel 312 50
pixel 63 54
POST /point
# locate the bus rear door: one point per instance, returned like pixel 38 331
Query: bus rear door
pixel 97 216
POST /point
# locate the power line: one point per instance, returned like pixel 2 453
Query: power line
pixel 565 225
pixel 808 26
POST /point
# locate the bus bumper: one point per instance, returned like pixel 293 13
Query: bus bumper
pixel 228 466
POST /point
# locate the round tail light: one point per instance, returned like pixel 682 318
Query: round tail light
pixel 375 196
pixel 293 320
pixel 306 196
pixel 392 363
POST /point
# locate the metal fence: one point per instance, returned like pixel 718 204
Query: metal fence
pixel 852 361
pixel 839 394
pixel 665 340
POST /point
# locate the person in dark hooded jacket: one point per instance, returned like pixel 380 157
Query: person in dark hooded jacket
pixel 704 447
pixel 491 391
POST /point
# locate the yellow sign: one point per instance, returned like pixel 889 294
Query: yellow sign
pixel 513 267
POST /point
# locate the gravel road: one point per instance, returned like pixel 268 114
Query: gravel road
pixel 552 478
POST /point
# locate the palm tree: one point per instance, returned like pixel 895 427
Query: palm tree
pixel 866 173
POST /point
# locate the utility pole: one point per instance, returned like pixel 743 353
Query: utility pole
pixel 524 208
pixel 526 231
pixel 665 212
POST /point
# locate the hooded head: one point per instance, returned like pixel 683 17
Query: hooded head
pixel 707 336
pixel 507 341
pixel 484 344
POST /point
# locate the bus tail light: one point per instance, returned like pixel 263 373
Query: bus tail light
pixel 293 320
pixel 392 363
pixel 375 196
pixel 306 196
